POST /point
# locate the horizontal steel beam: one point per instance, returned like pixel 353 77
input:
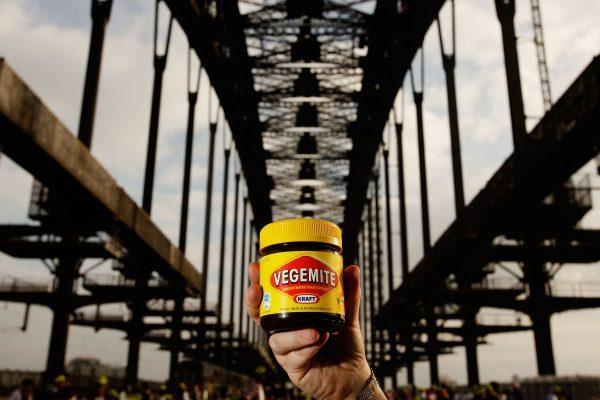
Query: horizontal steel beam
pixel 74 301
pixel 35 249
pixel 480 330
pixel 126 325
pixel 557 253
pixel 36 140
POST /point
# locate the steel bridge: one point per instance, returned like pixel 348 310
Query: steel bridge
pixel 307 92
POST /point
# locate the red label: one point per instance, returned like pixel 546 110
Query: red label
pixel 305 279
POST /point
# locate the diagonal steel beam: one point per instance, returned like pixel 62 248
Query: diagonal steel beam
pixel 35 139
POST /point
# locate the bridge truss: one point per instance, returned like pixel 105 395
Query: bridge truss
pixel 307 91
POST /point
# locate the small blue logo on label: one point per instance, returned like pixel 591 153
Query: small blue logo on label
pixel 267 301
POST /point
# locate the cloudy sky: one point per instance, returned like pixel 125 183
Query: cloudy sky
pixel 46 43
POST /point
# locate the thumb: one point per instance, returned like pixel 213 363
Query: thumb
pixel 352 294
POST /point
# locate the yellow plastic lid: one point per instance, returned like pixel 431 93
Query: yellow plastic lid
pixel 300 230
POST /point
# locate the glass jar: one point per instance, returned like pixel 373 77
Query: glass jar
pixel 301 269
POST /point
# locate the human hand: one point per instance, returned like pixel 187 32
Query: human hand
pixel 326 366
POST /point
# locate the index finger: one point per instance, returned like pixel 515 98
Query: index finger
pixel 253 294
pixel 254 273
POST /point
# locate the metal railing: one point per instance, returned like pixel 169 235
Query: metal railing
pixel 588 288
pixel 118 280
pixel 573 193
pixel 498 283
pixel 91 317
pixel 493 283
pixel 34 284
pixel 502 319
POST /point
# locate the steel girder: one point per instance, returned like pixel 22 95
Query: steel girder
pixel 563 141
pixel 395 35
pixel 214 31
pixel 297 47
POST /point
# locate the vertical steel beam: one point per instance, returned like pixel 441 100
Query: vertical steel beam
pixel 537 277
pixel 379 276
pixel 366 295
pixel 372 335
pixel 363 303
pixel 378 251
pixel 505 10
pixel 135 331
pixel 100 16
pixel 402 203
pixel 534 270
pixel 208 212
pixel 418 99
pixel 66 271
pixel 469 335
pixel 26 318
pixel 187 170
pixel 388 223
pixel 250 259
pixel 367 288
pixel 67 267
pixel 404 244
pixel 449 64
pixel 137 306
pixel 541 319
pixel 389 255
pixel 227 153
pixel 176 320
pixel 459 195
pixel 470 338
pixel 183 225
pixel 160 64
pixel 432 347
pixel 243 269
pixel 234 255
pixel 403 241
pixel 409 354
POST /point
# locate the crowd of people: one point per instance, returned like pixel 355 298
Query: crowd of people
pixel 491 391
pixel 61 389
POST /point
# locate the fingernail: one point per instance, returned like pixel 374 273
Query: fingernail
pixel 313 335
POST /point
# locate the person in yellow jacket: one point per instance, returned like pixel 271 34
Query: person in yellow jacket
pixel 101 390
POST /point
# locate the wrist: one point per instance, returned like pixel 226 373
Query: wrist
pixel 371 390
pixel 379 394
pixel 360 381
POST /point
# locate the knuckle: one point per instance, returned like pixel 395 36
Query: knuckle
pixel 295 340
pixel 273 343
pixel 285 343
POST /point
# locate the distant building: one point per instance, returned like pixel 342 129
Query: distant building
pixel 92 367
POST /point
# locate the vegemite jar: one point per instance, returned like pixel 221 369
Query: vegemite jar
pixel 301 276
